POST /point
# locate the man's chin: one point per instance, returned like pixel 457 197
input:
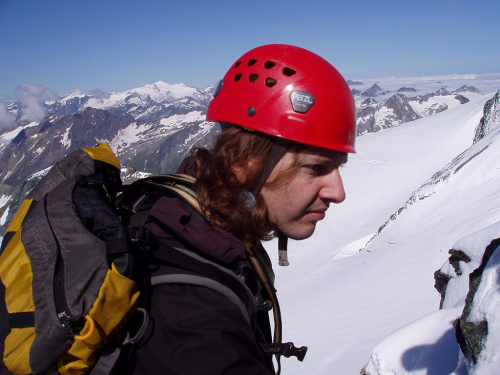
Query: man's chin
pixel 303 234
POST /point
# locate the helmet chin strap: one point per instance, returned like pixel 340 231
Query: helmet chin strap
pixel 278 149
pixel 283 250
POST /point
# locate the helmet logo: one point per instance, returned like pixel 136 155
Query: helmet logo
pixel 301 101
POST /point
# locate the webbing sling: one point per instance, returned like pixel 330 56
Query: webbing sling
pixel 176 183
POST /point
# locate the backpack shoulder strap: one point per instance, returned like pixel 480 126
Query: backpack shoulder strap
pixel 134 196
pixel 179 184
pixel 203 272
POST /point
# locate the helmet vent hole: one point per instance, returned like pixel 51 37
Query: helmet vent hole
pixel 252 62
pixel 269 64
pixel 237 64
pixel 253 77
pixel 237 77
pixel 288 72
pixel 270 82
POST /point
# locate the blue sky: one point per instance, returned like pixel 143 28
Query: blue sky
pixel 118 45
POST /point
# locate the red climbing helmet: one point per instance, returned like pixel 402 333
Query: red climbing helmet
pixel 288 92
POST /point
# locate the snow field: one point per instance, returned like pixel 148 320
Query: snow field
pixel 342 306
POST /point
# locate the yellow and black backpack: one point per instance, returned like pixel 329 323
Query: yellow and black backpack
pixel 61 306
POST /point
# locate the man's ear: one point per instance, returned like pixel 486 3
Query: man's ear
pixel 239 168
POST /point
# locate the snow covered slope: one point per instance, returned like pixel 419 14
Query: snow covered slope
pixel 341 302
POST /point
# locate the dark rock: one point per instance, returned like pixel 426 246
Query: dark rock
pixel 407 89
pixel 372 91
pixel 490 119
pixel 462 99
pixel 369 101
pixel 354 83
pixel 441 92
pixel 471 335
pixel 467 88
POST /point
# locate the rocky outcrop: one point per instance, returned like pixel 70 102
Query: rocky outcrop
pixel 471 334
pixel 442 92
pixel 407 89
pixel 490 119
pixel 354 83
pixel 467 88
pixel 373 117
pixel 372 91
pixel 470 277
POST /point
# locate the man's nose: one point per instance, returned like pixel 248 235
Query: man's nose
pixel 333 190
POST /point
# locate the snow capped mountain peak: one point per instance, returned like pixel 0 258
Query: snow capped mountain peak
pixel 442 92
pixel 148 100
pixel 73 95
pixel 467 88
pixel 372 91
pixel 162 91
pixel 158 92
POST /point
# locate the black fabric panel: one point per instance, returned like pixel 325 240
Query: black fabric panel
pixel 4 321
pixel 180 259
pixel 6 239
pixel 97 215
pixel 196 331
pixel 116 247
pixel 103 221
pixel 4 371
pixel 22 319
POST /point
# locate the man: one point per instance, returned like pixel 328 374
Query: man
pixel 288 122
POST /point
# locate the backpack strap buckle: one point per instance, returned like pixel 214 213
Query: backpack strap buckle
pixel 141 330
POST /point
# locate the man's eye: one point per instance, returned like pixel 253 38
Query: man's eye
pixel 315 168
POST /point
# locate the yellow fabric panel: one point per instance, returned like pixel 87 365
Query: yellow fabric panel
pixel 114 305
pixel 103 153
pixel 17 350
pixel 17 276
pixel 16 222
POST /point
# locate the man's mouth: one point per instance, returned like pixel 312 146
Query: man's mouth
pixel 317 214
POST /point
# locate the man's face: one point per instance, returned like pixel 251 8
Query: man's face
pixel 297 203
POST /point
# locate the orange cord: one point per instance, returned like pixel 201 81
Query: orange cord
pixel 90 332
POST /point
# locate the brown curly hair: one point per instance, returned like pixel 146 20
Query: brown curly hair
pixel 222 195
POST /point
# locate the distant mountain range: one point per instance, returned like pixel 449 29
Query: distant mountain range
pixel 152 128
pixel 373 116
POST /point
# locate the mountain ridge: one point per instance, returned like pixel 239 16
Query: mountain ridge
pixel 152 128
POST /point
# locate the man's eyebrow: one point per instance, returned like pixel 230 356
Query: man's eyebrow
pixel 338 157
